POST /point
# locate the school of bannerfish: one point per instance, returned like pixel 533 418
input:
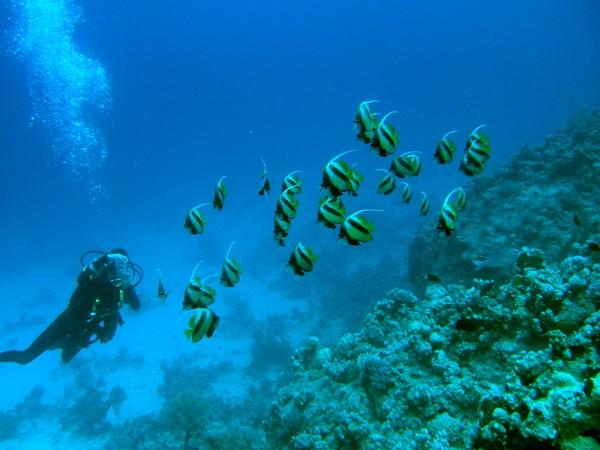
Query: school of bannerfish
pixel 339 178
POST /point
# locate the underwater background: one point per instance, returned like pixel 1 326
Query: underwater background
pixel 118 117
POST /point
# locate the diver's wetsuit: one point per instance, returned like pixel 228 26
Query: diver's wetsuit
pixel 93 310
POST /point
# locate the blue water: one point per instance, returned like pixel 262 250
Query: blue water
pixel 203 89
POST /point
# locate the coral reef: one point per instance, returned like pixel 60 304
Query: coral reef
pixel 84 412
pixel 490 366
pixel 546 197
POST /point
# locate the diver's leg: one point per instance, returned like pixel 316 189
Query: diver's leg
pixel 50 336
pixel 69 350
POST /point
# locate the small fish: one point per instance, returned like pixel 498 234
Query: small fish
pixel 446 149
pixel 366 122
pixel 195 220
pixel 576 219
pixel 331 211
pixel 266 185
pixel 424 207
pixel 386 137
pixel 220 194
pixel 302 259
pixel 287 204
pixel 202 325
pixel 387 184
pixel 501 258
pixel 477 153
pixel 339 177
pixel 433 278
pixel 231 270
pixel 406 193
pixel 161 293
pixel 292 182
pixel 357 229
pixel 406 165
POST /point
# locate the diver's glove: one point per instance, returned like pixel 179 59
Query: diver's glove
pixel 104 335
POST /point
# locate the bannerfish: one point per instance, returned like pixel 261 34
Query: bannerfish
pixel 424 206
pixel 292 182
pixel 202 325
pixel 195 220
pixel 446 149
pixel 197 294
pixel 161 292
pixel 338 176
pixel 387 184
pixel 231 270
pixel 331 211
pixel 357 229
pixel 281 229
pixel 266 185
pixel 386 137
pixel 477 153
pixel 406 193
pixel 287 204
pixel 365 122
pixel 220 194
pixel 501 258
pixel 406 165
pixel 302 259
pixel 453 203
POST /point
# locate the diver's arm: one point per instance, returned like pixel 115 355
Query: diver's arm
pixel 107 331
pixel 132 299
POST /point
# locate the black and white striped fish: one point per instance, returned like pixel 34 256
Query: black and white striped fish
pixel 220 194
pixel 195 220
pixel 202 324
pixel 406 165
pixel 446 149
pixel 231 270
pixel 302 259
pixel 387 184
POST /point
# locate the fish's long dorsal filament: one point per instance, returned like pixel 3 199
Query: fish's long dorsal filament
pixel 264 164
pixel 201 205
pixel 209 277
pixel 293 173
pixel 229 250
pixel 414 152
pixel 478 128
pixel 385 117
pixel 221 179
pixel 448 134
pixel 332 160
pixel 195 268
pixel 458 189
pixel 368 102
pixel 382 170
pixel 362 211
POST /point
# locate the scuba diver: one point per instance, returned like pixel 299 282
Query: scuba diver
pixel 103 287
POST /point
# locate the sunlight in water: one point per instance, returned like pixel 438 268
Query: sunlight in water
pixel 67 88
